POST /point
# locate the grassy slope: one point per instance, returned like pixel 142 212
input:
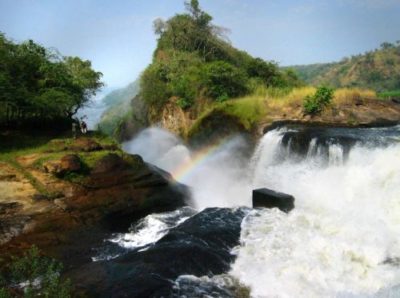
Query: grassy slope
pixel 267 104
pixel 46 147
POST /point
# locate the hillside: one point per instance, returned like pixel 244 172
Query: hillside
pixel 378 69
pixel 194 64
pixel 118 104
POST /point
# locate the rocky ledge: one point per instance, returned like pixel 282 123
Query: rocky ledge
pixel 70 196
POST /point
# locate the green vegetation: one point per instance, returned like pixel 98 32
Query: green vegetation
pixel 315 103
pixel 33 275
pixel 194 62
pixel 39 84
pixel 378 70
pixel 389 94
pixel 119 108
pixel 47 148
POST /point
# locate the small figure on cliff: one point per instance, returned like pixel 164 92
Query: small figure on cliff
pixel 83 127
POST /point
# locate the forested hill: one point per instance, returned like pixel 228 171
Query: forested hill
pixel 119 104
pixel 122 95
pixel 378 69
pixel 194 62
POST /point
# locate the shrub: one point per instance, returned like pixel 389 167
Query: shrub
pixel 184 103
pixel 223 80
pixel 35 275
pixel 314 104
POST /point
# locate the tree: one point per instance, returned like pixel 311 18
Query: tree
pixel 38 81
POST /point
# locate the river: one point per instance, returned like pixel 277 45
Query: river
pixel 341 240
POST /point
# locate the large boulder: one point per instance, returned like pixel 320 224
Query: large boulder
pixel 268 198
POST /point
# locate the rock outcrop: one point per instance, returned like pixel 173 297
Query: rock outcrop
pixel 96 194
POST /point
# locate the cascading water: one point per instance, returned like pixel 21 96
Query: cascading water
pixel 343 237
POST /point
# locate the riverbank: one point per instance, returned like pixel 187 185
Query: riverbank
pixel 64 195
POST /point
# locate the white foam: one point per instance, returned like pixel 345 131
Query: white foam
pixel 338 239
pixel 152 228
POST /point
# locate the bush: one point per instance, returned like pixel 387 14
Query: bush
pixel 34 275
pixel 223 80
pixel 314 104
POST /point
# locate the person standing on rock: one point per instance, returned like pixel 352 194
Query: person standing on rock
pixel 83 127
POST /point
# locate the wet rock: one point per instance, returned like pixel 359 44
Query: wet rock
pixel 199 246
pixel 12 222
pixel 268 198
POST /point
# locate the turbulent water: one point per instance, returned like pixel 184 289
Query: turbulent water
pixel 341 240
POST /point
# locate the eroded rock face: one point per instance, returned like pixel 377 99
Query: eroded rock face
pixel 118 189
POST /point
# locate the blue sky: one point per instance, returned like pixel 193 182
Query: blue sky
pixel 117 35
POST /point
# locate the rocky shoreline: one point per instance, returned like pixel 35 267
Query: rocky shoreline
pixel 82 202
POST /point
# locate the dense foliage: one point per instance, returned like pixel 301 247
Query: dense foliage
pixel 314 104
pixel 33 275
pixel 194 59
pixel 378 69
pixel 36 82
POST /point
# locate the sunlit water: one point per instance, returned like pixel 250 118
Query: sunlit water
pixel 341 240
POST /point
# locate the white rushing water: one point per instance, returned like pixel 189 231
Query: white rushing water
pixel 343 237
pixel 341 240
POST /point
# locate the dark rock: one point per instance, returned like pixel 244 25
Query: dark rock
pixel 268 198
pixel 199 246
pixel 11 222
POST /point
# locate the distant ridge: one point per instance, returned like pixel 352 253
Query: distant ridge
pixel 378 69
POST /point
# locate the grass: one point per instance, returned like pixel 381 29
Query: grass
pixel 248 110
pixel 17 144
pixel 267 102
pixel 349 95
pixel 389 94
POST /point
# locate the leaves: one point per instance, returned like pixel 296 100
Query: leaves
pixel 42 81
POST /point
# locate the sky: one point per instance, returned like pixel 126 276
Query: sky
pixel 117 36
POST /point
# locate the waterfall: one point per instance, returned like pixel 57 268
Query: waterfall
pixel 343 237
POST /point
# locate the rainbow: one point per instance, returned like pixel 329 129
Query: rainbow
pixel 199 158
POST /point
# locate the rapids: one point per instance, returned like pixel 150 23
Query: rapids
pixel 341 240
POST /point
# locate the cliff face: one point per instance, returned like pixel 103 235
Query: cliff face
pixel 67 200
pixel 223 120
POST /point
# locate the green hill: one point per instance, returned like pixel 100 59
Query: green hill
pixel 119 107
pixel 378 69
pixel 194 63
